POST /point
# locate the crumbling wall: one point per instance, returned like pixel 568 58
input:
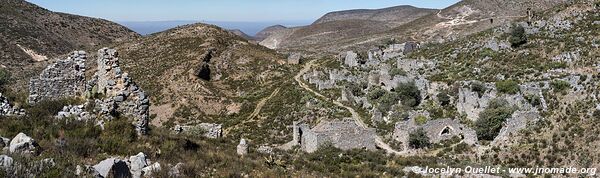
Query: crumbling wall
pixel 62 79
pixel 122 96
pixel 344 134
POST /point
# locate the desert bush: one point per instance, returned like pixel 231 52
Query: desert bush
pixel 418 139
pixel 534 100
pixel 508 86
pixel 409 94
pixel 443 98
pixel 518 36
pixel 420 120
pixel 376 94
pixel 560 85
pixel 492 119
pixel 479 88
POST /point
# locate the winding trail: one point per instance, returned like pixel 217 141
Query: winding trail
pixel 355 116
pixel 261 104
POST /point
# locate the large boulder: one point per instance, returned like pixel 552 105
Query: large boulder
pixel 22 144
pixel 137 163
pixel 117 167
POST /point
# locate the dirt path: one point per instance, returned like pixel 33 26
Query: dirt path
pixel 261 104
pixel 256 111
pixel 357 118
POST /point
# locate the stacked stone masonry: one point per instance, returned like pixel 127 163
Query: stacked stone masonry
pixel 65 78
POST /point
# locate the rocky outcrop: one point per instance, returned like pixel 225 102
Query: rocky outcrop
pixel 344 134
pixel 208 130
pixel 23 144
pixel 122 96
pixel 242 148
pixel 65 78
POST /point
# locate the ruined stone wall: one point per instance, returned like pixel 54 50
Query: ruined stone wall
pixel 64 78
pixel 344 134
pixel 6 109
pixel 122 96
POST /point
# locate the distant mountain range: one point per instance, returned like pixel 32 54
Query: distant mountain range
pixel 250 28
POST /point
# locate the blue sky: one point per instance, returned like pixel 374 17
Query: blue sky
pixel 221 10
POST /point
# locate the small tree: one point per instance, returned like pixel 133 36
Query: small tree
pixel 478 87
pixel 518 36
pixel 409 94
pixel 418 139
pixel 492 119
pixel 443 98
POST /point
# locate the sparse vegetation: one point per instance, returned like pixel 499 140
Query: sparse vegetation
pixel 508 87
pixel 560 85
pixel 491 120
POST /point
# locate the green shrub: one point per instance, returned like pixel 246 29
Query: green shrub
pixel 375 94
pixel 560 85
pixel 418 139
pixel 492 119
pixel 388 100
pixel 409 94
pixel 443 98
pixel 534 100
pixel 518 36
pixel 357 89
pixel 508 86
pixel 479 88
pixel 420 120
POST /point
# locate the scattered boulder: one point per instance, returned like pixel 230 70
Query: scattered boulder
pixel 242 148
pixel 148 170
pixel 137 163
pixel 117 167
pixel 5 161
pixel 22 144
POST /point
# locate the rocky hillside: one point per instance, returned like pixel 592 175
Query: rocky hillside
pixel 201 72
pixel 394 15
pixel 265 33
pixel 240 33
pixel 30 34
pixel 454 22
pixel 337 26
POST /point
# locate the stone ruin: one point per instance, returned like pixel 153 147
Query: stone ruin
pixel 6 109
pixel 437 131
pixel 122 96
pixel 65 78
pixel 344 134
pixel 294 58
pixel 208 130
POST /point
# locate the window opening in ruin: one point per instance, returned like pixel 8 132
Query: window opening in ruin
pixel 446 131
